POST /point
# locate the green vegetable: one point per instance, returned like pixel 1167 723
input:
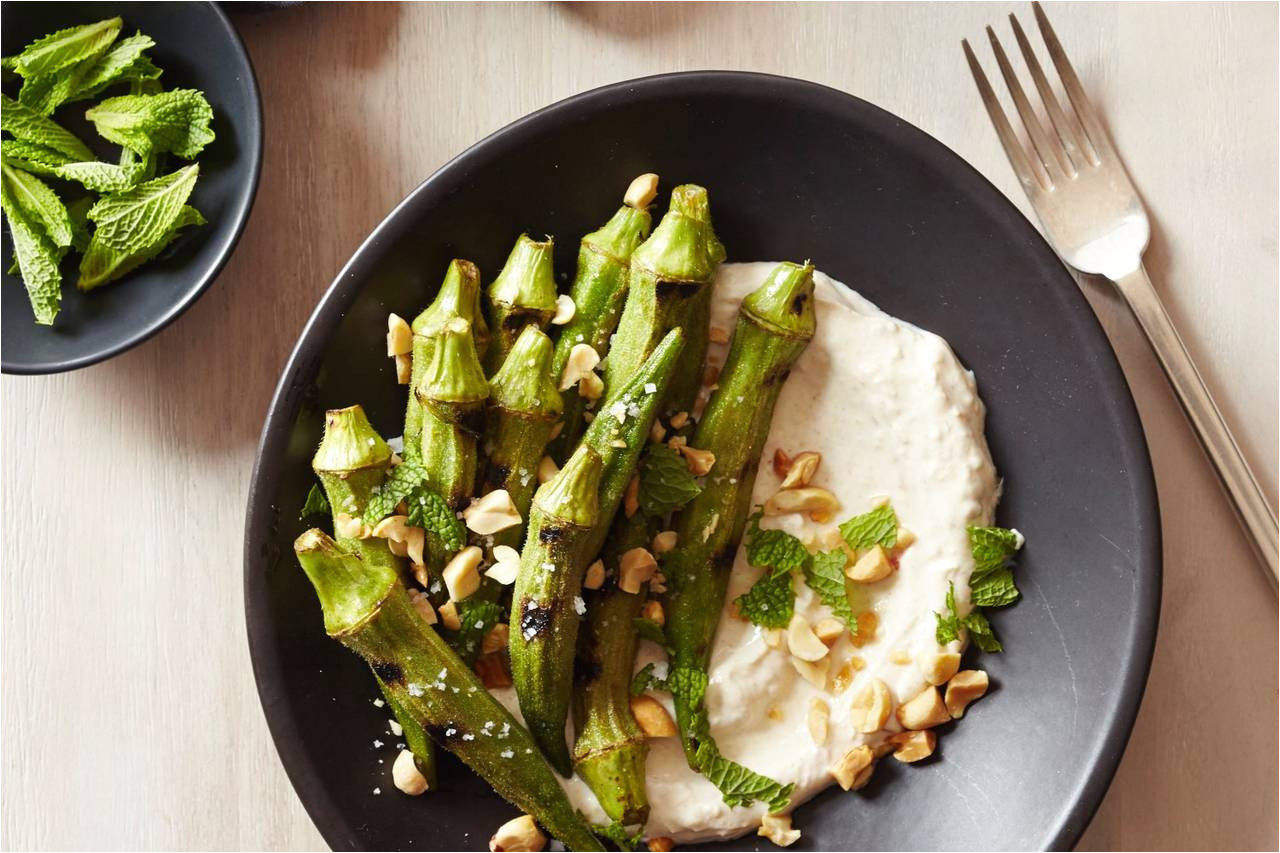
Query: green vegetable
pixel 367 609
pixel 598 292
pixel 126 61
pixel 351 462
pixel 877 527
pixel 775 549
pixel 616 436
pixel 175 121
pixel 135 225
pixel 770 602
pixel 991 585
pixel 27 125
pixel 458 296
pixel 104 177
pixel 59 50
pixel 665 482
pixel 524 404
pixel 775 324
pixel 824 572
pixel 316 503
pixel 37 259
pixel 523 294
pixel 645 680
pixel 40 203
pixel 476 616
pixel 426 509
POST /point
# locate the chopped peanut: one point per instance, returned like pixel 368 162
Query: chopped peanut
pixel 491 671
pixel 461 573
pixel 781 462
pixel 519 834
pixel 547 468
pixel 913 746
pixel 814 672
pixel 806 499
pixel 652 610
pixel 404 369
pixel 590 386
pixel 870 708
pixel 652 718
pixel 718 335
pixel 595 575
pixel 664 541
pixel 635 567
pixel 448 613
pixel 829 630
pixel 853 770
pixel 868 622
pixel 700 462
pixel 774 638
pixel 924 711
pixel 582 360
pixel 565 309
pixel 406 775
pixel 777 828
pixel 662 844
pixel 802 642
pixel 399 336
pixel 678 420
pixel 491 513
pixel 872 566
pixel 422 604
pixel 657 432
pixel 963 688
pixel 495 640
pixel 803 468
pixel 506 565
pixel 943 666
pixel 631 498
pixel 640 194
pixel 819 714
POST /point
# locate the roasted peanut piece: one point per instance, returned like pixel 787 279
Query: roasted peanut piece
pixel 774 638
pixel 870 708
pixel 777 828
pixel 399 336
pixel 393 527
pixel 924 711
pixel 819 714
pixel 963 688
pixel 590 386
pixel 853 770
pixel 872 566
pixel 700 462
pixel 594 578
pixel 635 567
pixel 781 462
pixel 347 527
pixel 582 360
pixel 803 467
pixel 491 513
pixel 547 468
pixel 631 497
pixel 652 610
pixel 422 604
pixel 404 369
pixel 806 499
pixel 828 630
pixel 664 541
pixel 461 574
pixel 662 844
pixel 406 775
pixel 814 672
pixel 640 194
pixel 518 834
pixel 448 613
pixel 941 669
pixel 565 309
pixel 678 420
pixel 909 747
pixel 905 538
pixel 491 671
pixel 802 642
pixel 495 640
pixel 652 718
pixel 506 565
pixel 718 335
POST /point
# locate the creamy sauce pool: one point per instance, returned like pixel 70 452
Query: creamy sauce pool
pixel 894 414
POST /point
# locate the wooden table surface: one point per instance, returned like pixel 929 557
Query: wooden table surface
pixel 130 716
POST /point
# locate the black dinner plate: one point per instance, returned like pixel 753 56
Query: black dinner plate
pixel 795 170
pixel 198 48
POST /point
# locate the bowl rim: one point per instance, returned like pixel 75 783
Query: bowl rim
pixel 240 216
pixel 1139 649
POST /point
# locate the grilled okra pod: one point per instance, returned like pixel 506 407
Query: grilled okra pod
pixel 775 324
pixel 367 609
pixel 351 461
pixel 599 292
pixel 544 622
pixel 452 392
pixel 524 404
pixel 523 294
pixel 459 296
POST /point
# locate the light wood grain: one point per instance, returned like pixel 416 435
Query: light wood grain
pixel 130 716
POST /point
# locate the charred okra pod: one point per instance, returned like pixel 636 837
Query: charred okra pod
pixel 367 609
pixel 459 296
pixel 544 621
pixel 524 404
pixel 599 292
pixel 523 294
pixel 775 324
pixel 351 461
pixel 452 392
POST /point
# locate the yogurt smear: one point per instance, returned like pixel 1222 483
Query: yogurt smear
pixel 894 415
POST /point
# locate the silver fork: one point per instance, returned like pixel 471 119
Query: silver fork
pixel 1095 220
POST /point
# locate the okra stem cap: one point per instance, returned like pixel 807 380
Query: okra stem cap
pixel 572 495
pixel 527 279
pixel 455 374
pixel 350 443
pixel 459 296
pixel 349 589
pixel 785 301
pixel 525 382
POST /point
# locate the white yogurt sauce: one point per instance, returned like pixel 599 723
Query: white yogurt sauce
pixel 894 414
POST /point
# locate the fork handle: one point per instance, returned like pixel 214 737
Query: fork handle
pixel 1242 487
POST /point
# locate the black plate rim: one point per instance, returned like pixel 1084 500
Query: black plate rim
pixel 337 299
pixel 240 217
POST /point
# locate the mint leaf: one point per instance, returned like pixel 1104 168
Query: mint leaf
pixel 617 833
pixel 25 154
pixel 26 124
pixel 430 511
pixel 994 589
pixel 825 576
pixel 405 477
pixel 878 527
pixel 102 264
pixel 39 203
pixel 991 547
pixel 688 686
pixel 103 177
pixel 475 617
pixel 78 210
pixel 317 503
pixel 980 632
pixel 125 61
pixel 37 259
pixel 948 628
pixel 770 602
pixel 665 482
pixel 738 785
pixel 66 47
pixel 46 93
pixel 646 680
pixel 775 549
pixel 176 121
pixel 650 630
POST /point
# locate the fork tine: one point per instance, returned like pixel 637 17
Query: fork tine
pixel 1032 180
pixel 1047 151
pixel 1067 133
pixel 1094 134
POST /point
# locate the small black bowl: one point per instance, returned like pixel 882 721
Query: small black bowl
pixel 795 170
pixel 198 48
